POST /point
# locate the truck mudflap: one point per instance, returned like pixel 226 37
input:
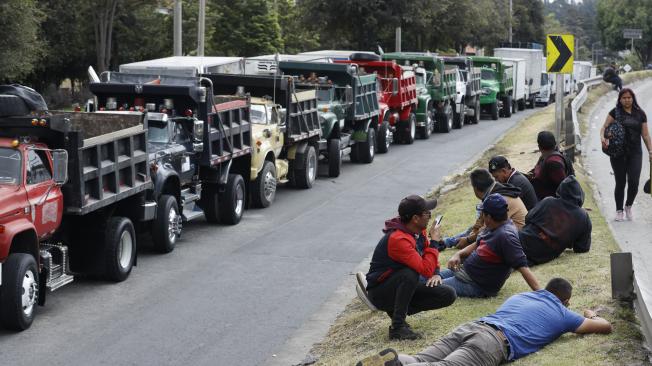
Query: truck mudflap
pixel 147 211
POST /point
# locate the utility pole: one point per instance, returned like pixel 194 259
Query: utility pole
pixel 510 21
pixel 200 28
pixel 398 39
pixel 177 28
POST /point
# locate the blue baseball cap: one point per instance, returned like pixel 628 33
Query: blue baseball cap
pixel 494 204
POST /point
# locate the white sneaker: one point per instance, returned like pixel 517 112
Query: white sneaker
pixel 628 213
pixel 361 290
pixel 619 216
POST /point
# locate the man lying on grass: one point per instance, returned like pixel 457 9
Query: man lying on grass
pixel 524 324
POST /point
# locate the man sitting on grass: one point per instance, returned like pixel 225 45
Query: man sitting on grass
pixel 524 324
pixel 489 261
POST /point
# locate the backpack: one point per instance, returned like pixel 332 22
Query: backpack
pixel 615 133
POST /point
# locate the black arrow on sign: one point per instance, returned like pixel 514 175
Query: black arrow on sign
pixel 564 53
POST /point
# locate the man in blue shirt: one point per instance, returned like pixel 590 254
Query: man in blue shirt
pixel 524 324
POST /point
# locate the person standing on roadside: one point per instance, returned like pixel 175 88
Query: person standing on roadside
pixel 627 166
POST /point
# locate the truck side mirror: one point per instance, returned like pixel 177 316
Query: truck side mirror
pixel 60 166
pixel 348 94
pixel 394 86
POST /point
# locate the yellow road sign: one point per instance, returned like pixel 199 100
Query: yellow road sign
pixel 559 53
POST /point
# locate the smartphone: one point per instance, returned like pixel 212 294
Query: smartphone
pixel 438 220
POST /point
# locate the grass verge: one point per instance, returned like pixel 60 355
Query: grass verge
pixel 359 332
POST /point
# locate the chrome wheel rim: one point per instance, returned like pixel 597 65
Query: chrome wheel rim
pixel 372 147
pixel 269 185
pixel 174 225
pixel 239 200
pixel 312 165
pixel 388 137
pixel 429 124
pixel 30 293
pixel 125 248
pixel 413 128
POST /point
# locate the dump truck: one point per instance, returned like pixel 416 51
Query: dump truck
pixel 441 84
pixel 398 90
pixel 185 66
pixel 286 133
pixel 348 108
pixel 268 64
pixel 467 102
pixel 497 86
pixel 73 195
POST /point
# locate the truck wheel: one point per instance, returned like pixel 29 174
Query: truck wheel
pixel 458 118
pixel 366 150
pixel 425 132
pixel 167 225
pixel 263 190
pixel 514 107
pixel 530 104
pixel 384 137
pixel 410 129
pixel 19 291
pixel 334 158
pixel 209 203
pixel 494 110
pixel 476 115
pixel 507 106
pixel 119 248
pixel 232 200
pixel 521 104
pixel 305 175
pixel 446 119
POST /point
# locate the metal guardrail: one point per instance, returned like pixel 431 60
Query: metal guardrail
pixel 575 106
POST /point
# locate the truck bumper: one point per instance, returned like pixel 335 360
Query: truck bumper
pixel 421 119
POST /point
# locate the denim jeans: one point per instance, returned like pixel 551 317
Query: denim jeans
pixel 462 287
pixel 451 241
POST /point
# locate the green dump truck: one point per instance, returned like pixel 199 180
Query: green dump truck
pixel 441 86
pixel 497 86
pixel 347 105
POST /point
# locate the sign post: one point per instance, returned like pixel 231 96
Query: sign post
pixel 633 33
pixel 559 60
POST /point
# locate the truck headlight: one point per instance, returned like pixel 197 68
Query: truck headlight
pixel 198 130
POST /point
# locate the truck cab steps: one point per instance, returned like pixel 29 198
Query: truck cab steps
pixel 55 260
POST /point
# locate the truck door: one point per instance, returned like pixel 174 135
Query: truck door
pixel 45 199
pixel 275 121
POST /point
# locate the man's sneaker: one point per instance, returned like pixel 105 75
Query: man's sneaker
pixel 403 333
pixel 628 213
pixel 386 357
pixel 619 216
pixel 361 290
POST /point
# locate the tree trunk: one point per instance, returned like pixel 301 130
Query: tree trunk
pixel 103 15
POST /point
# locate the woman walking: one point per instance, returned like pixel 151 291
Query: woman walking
pixel 626 160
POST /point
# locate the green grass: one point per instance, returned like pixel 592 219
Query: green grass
pixel 359 332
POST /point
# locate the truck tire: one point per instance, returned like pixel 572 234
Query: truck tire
pixel 409 129
pixel 521 104
pixel 209 203
pixel 458 118
pixel 232 200
pixel 425 132
pixel 366 150
pixel 334 158
pixel 384 137
pixel 305 175
pixel 507 106
pixel 445 122
pixel 494 110
pixel 263 190
pixel 19 278
pixel 119 248
pixel 166 228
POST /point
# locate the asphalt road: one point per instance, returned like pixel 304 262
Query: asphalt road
pixel 234 295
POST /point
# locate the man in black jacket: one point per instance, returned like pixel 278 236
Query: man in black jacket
pixel 503 172
pixel 557 223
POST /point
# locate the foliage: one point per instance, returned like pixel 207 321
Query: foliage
pixel 20 44
pixel 297 34
pixel 615 15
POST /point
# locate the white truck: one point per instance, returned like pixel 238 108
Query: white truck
pixel 533 65
pixel 186 66
pixel 581 71
pixel 267 64
pixel 520 95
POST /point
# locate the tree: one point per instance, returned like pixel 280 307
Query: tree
pixel 297 36
pixel 616 15
pixel 528 20
pixel 20 44
pixel 103 14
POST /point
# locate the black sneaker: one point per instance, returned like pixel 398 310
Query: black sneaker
pixel 386 357
pixel 403 333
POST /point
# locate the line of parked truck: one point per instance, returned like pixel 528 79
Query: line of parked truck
pixel 170 140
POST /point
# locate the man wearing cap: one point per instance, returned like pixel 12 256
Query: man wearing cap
pixel 401 258
pixel 489 261
pixel 503 172
pixel 551 168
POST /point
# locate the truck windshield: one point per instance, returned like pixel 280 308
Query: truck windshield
pixel 158 132
pixel 324 95
pixel 421 78
pixel 544 79
pixel 9 166
pixel 488 74
pixel 258 114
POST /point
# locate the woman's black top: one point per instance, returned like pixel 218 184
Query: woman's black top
pixel 633 123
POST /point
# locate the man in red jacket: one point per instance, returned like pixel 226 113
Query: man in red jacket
pixel 403 277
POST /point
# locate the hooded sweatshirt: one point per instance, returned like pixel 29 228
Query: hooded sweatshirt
pixel 557 223
pixel 400 248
